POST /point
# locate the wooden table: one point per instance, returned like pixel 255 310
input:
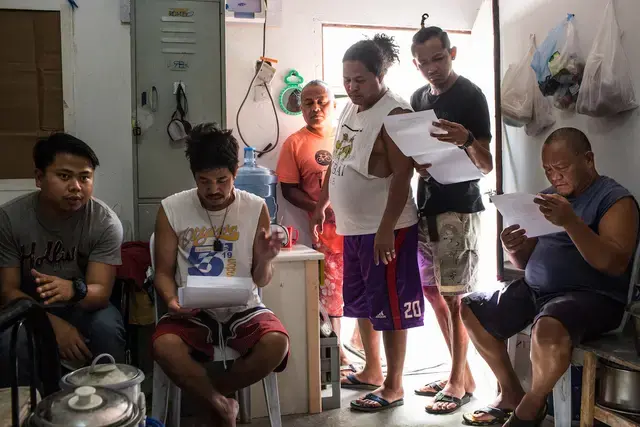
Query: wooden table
pixel 293 295
pixel 618 349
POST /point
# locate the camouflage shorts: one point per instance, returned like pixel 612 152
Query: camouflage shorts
pixel 452 262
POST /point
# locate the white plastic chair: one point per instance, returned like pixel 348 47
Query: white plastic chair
pixel 167 396
pixel 562 390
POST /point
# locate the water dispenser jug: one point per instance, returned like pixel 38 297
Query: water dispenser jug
pixel 258 180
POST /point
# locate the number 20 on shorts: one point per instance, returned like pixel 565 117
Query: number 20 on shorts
pixel 412 310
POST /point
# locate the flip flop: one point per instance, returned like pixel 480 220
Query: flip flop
pixel 514 421
pixel 355 351
pixel 348 368
pixel 356 384
pixel 500 416
pixel 441 397
pixel 384 404
pixel 434 385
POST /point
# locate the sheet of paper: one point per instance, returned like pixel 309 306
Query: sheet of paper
pixel 518 208
pixel 450 166
pixel 412 132
pixel 215 292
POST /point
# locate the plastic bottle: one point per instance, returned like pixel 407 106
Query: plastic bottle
pixel 258 180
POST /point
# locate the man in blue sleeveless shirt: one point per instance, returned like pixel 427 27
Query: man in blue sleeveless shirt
pixel 576 282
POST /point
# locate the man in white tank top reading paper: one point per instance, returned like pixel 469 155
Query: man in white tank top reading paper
pixel 370 192
pixel 215 230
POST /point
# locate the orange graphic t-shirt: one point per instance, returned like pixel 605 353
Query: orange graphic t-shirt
pixel 304 160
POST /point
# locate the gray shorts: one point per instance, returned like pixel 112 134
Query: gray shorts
pixel 451 263
pixel 506 312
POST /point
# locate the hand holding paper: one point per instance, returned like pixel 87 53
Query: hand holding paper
pixel 556 209
pixel 417 137
pixel 520 208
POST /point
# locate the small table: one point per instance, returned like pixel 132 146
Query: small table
pixel 618 349
pixel 293 295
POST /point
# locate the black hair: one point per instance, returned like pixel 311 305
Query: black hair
pixel 377 54
pixel 46 149
pixel 574 138
pixel 210 147
pixel 427 33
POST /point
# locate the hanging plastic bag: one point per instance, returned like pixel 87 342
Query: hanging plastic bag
pixel 607 88
pixel 544 52
pixel 542 110
pixel 517 91
pixel 567 68
pixel 542 114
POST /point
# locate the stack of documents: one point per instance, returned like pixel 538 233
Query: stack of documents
pixel 518 208
pixel 215 292
pixel 412 134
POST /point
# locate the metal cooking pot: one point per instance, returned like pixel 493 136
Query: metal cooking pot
pixel 86 406
pixel 619 388
pixel 115 376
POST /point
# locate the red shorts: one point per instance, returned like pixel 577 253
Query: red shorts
pixel 241 333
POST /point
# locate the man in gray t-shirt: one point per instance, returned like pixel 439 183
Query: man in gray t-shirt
pixel 60 247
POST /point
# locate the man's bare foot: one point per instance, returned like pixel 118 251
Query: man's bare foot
pixel 227 409
pixel 452 390
pixel 506 403
pixel 530 407
pixel 432 388
pixel 365 377
pixel 390 395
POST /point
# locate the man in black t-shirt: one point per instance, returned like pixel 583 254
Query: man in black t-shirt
pixel 450 214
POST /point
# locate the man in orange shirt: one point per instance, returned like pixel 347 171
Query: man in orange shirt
pixel 303 161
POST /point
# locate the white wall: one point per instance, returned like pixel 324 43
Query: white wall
pixel 98 75
pixel 97 94
pixel 614 140
pixel 298 44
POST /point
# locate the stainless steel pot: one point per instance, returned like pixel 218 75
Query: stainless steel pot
pixel 115 376
pixel 86 406
pixel 619 388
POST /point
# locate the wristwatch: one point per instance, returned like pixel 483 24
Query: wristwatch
pixel 469 141
pixel 79 288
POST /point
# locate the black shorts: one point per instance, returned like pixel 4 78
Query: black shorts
pixel 506 312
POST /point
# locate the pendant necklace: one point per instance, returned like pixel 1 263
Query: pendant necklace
pixel 217 244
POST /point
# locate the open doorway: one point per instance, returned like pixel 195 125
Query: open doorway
pixel 427 354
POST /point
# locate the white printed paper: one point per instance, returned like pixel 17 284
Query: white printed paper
pixel 450 166
pixel 519 208
pixel 215 292
pixel 412 134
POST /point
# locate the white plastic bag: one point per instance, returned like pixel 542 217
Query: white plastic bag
pixel 542 111
pixel 567 68
pixel 542 115
pixel 517 91
pixel 607 88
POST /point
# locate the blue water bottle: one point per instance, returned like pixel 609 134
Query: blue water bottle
pixel 258 180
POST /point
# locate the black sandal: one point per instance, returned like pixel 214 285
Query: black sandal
pixel 500 416
pixel 514 421
pixel 436 385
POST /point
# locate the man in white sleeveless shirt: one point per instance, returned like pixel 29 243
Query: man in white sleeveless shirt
pixel 215 230
pixel 370 193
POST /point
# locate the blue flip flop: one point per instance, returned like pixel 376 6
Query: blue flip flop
pixel 356 384
pixel 384 404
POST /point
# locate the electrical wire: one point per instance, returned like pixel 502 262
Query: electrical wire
pixel 270 146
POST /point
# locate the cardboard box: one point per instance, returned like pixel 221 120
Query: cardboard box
pixel 31 84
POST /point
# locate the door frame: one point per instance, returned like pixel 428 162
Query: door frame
pixel 134 95
pixel 68 71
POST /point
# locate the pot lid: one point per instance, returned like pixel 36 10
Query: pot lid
pixel 85 406
pixel 103 374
